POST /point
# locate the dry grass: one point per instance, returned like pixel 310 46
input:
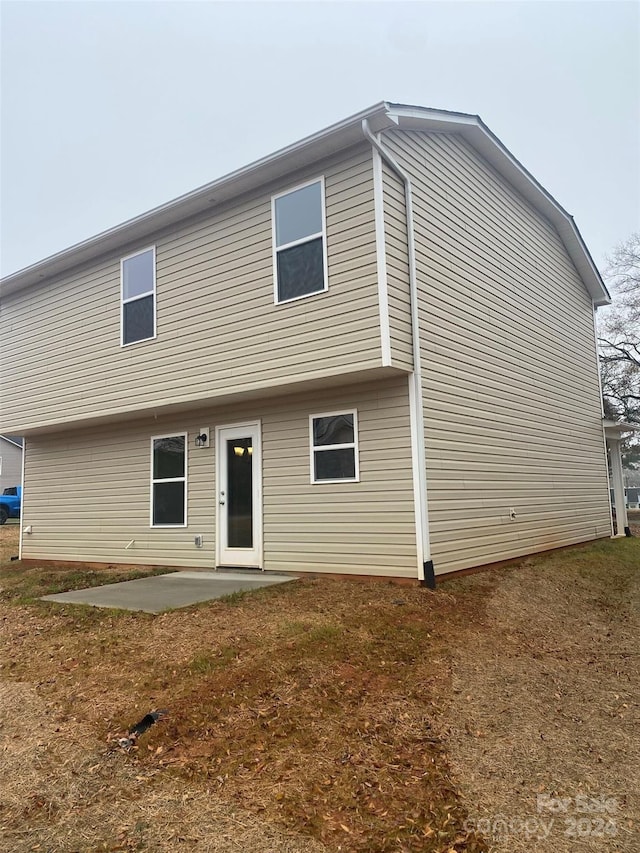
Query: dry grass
pixel 546 701
pixel 9 537
pixel 323 715
pixel 61 793
pixel 275 706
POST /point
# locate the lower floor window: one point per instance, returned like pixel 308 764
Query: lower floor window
pixel 169 481
pixel 334 447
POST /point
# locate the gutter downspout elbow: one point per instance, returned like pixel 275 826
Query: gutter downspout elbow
pixel 426 574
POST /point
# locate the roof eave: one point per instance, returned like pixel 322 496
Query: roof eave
pixel 11 441
pixel 612 428
pixel 480 137
pixel 326 142
pixel 334 138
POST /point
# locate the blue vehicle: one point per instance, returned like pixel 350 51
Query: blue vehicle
pixel 10 503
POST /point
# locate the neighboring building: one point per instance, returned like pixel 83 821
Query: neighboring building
pixel 10 461
pixel 617 434
pixel 632 477
pixel 369 353
pixel 632 497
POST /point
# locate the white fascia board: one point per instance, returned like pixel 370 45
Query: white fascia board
pixel 480 137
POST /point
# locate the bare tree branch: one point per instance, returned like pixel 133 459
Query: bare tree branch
pixel 619 340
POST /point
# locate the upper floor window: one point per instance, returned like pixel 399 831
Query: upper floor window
pixel 299 239
pixel 138 276
pixel 334 447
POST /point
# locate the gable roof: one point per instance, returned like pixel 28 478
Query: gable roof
pixel 13 439
pixel 336 137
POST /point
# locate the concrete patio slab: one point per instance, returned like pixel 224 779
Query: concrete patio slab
pixel 168 592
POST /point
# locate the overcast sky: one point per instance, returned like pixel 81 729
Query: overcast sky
pixel 109 109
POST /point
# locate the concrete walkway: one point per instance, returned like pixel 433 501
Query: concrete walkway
pixel 168 592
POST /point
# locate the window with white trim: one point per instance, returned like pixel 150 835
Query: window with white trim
pixel 334 447
pixel 169 481
pixel 138 296
pixel 299 242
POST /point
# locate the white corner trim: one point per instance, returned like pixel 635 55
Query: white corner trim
pixel 381 260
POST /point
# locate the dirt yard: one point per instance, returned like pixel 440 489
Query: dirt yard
pixel 499 713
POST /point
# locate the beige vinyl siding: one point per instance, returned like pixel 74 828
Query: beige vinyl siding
pixel 88 490
pixel 511 393
pixel 396 253
pixel 11 466
pixel 218 329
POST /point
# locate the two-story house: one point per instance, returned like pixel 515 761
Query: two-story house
pixel 371 353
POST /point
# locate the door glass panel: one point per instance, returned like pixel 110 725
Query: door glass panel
pixel 240 493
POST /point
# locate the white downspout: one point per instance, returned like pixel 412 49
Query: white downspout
pixel 425 563
pixel 605 446
pixel 24 457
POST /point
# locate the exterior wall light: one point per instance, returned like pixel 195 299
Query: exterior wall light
pixel 202 439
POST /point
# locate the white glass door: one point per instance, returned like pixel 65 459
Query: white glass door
pixel 239 496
